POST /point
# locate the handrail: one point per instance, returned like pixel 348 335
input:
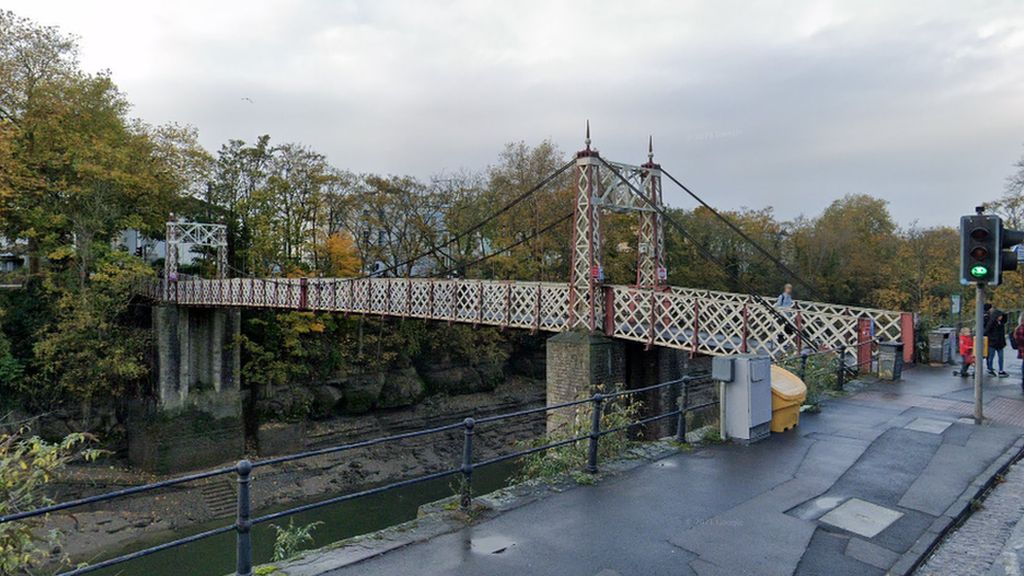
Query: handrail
pixel 244 522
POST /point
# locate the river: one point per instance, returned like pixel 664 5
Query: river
pixel 216 556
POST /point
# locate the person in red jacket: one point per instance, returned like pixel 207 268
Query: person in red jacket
pixel 966 350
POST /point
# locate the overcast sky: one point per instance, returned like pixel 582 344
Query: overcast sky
pixel 787 104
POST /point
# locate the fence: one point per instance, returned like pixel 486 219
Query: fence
pixel 245 521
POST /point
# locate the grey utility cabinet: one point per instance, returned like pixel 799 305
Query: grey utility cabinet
pixel 746 394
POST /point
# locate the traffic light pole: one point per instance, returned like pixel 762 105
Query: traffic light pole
pixel 979 349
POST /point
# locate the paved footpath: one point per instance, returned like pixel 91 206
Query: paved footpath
pixel 864 487
pixel 991 541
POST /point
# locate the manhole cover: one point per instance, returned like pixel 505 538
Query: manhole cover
pixel 861 517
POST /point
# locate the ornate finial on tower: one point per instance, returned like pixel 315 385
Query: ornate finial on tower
pixel 587 141
pixel 650 148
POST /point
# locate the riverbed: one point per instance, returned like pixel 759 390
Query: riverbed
pixel 216 556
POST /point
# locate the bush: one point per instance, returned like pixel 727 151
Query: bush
pixel 292 539
pixel 555 462
pixel 27 465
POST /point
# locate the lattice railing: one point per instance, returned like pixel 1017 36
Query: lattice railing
pixel 886 322
pixel 720 323
pixel 702 321
pixel 531 305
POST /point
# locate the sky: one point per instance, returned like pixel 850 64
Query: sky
pixel 751 104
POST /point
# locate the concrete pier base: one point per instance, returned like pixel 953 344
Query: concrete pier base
pixel 195 416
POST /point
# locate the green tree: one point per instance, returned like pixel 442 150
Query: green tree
pixel 843 251
pixel 90 349
pixel 27 466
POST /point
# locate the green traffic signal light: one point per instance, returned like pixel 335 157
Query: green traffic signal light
pixel 979 271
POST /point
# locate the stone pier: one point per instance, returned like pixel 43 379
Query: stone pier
pixel 647 367
pixel 194 418
pixel 580 364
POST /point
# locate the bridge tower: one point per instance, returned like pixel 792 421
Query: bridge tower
pixel 650 254
pixel 583 360
pixel 587 272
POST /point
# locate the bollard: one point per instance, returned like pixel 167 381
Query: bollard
pixel 466 499
pixel 243 527
pixel 595 433
pixel 681 420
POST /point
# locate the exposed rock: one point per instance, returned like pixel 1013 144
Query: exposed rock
pixel 491 375
pixel 401 388
pixel 362 392
pixel 325 400
pixel 453 380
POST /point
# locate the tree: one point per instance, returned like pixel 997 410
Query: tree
pixel 89 349
pixel 342 257
pixel 27 466
pixel 844 252
pixel 520 167
pixel 923 272
pixel 31 57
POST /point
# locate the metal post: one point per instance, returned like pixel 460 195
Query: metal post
pixel 803 363
pixel 243 526
pixel 979 349
pixel 595 432
pixel 841 375
pixel 681 420
pixel 466 499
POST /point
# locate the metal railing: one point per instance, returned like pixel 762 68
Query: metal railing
pixel 245 521
pixel 842 369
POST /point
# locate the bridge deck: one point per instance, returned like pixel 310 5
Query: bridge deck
pixel 701 321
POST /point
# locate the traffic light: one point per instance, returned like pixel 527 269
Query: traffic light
pixel 1008 239
pixel 979 249
pixel 984 254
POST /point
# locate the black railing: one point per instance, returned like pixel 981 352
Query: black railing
pixel 244 521
pixel 839 366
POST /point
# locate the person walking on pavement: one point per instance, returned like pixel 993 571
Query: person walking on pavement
pixel 995 331
pixel 1018 343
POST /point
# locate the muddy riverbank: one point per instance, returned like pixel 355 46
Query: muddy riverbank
pixel 91 532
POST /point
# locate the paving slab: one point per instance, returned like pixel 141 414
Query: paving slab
pixel 931 425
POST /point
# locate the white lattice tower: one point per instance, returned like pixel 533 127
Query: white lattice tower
pixel 170 257
pixel 650 260
pixel 586 272
pixel 195 233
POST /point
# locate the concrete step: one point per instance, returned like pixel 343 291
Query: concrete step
pixel 219 497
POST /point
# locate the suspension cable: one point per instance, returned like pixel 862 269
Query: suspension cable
pixel 711 256
pixel 508 248
pixel 775 260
